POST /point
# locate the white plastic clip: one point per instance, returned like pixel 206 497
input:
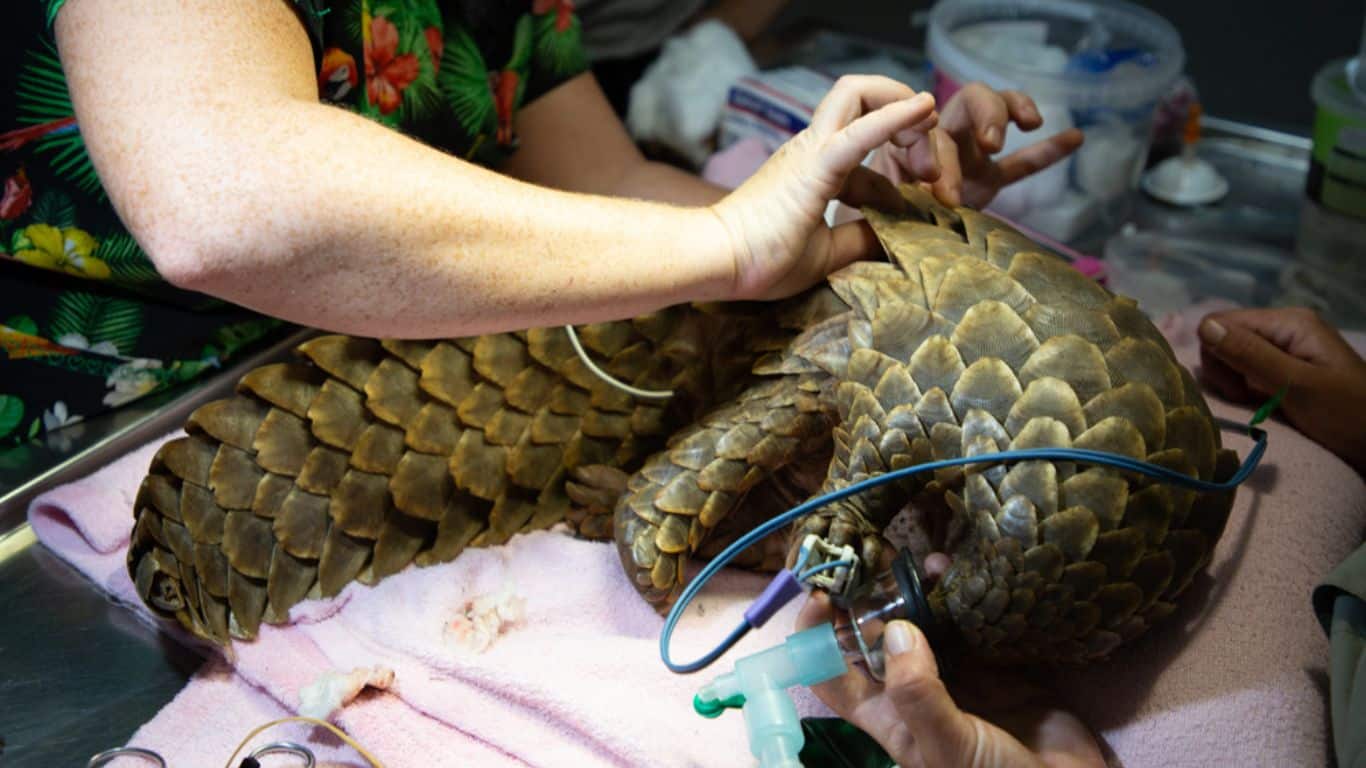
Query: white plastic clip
pixel 817 553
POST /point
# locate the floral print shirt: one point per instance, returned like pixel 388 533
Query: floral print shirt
pixel 86 323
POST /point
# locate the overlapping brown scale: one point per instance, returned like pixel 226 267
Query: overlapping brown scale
pixel 1143 361
pixel 391 393
pixel 1191 433
pixel 1071 359
pixel 301 523
pixel 936 364
pixel 342 560
pixel 1047 397
pixel 1050 281
pixel 479 468
pixel 357 506
pixel 1049 320
pixel 247 604
pixel 857 285
pixel 992 329
pixel 400 538
pixel 270 494
pixel 510 513
pixel 322 470
pixel 971 281
pixel 248 542
pixel 989 385
pixel 898 330
pixel 447 374
pixel 464 520
pixel 1100 490
pixel 533 466
pixel 345 358
pixel 1003 244
pixel 233 421
pixel 188 458
pixel 421 485
pixel 499 357
pixel 337 416
pixel 289 581
pixel 283 443
pixel 200 514
pixel 233 477
pixel 1133 323
pixel 411 353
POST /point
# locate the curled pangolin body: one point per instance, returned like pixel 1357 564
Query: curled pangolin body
pixel 366 457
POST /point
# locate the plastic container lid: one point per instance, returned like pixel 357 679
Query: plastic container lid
pixel 1102 37
pixel 1185 180
pixel 1332 89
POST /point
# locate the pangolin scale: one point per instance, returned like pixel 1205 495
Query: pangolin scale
pixel 364 457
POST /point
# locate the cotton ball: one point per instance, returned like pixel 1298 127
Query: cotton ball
pixel 333 690
pixel 1015 201
pixel 1108 162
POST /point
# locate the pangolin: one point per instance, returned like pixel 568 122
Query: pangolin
pixel 364 457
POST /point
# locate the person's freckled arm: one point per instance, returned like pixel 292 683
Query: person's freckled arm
pixel 240 184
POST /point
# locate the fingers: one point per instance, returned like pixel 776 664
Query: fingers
pixel 948 187
pixel 1265 366
pixel 944 735
pixel 847 147
pixel 818 610
pixel 1297 330
pixel 851 242
pixel 1023 111
pixel 853 96
pixel 1223 380
pixel 977 114
pixel 1038 156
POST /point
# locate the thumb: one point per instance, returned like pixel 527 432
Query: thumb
pixel 944 735
pixel 1265 366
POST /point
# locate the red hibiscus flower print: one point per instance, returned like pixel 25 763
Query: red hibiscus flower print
pixel 436 45
pixel 386 72
pixel 18 195
pixel 563 9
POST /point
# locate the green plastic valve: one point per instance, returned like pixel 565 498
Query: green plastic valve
pixel 759 687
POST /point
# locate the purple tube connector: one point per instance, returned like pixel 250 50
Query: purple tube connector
pixel 778 593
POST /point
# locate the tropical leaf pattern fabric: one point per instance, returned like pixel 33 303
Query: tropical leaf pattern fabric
pixel 86 322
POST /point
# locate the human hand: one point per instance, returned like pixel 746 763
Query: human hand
pixel 972 127
pixel 779 239
pixel 915 719
pixel 1248 355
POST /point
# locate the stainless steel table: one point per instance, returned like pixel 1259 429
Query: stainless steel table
pixel 78 673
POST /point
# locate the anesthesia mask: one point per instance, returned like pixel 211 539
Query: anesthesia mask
pixel 897 593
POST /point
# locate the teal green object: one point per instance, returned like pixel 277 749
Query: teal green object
pixel 1269 407
pixel 760 682
pixel 712 708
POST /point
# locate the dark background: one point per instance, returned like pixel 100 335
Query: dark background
pixel 1251 61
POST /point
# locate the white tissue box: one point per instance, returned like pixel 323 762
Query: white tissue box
pixel 772 106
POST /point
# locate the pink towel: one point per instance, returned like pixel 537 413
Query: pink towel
pixel 577 681
pixel 1237 677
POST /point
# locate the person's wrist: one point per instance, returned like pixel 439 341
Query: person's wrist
pixel 723 248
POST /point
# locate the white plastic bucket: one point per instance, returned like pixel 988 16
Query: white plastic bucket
pixel 1099 65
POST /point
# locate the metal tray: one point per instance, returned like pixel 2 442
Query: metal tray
pixel 78 672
